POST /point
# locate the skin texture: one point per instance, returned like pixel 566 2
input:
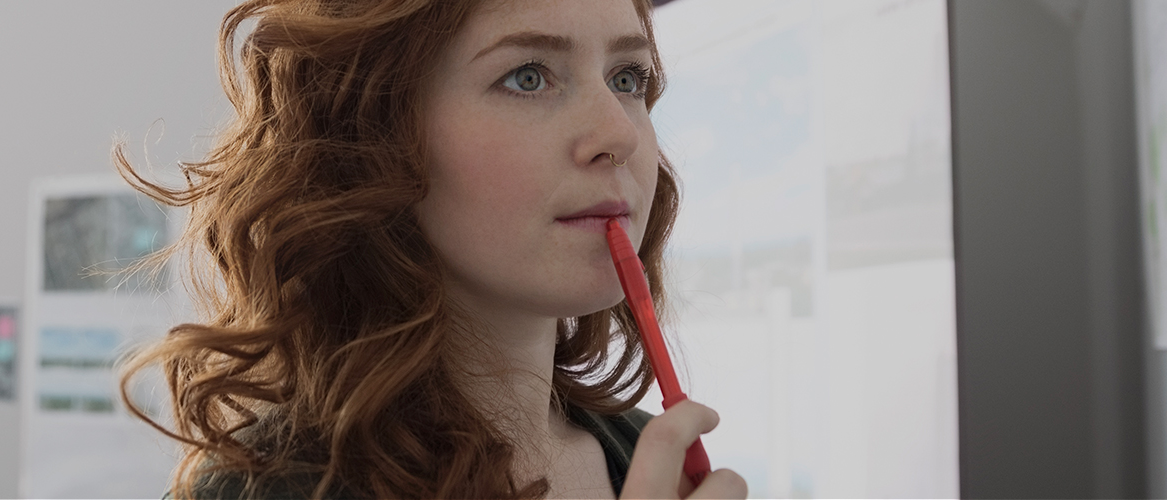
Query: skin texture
pixel 507 165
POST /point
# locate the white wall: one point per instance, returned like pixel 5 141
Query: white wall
pixel 812 262
pixel 72 75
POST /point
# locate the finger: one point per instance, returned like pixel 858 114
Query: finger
pixel 722 483
pixel 685 486
pixel 655 471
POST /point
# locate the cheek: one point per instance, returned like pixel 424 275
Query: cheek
pixel 482 167
pixel 480 193
pixel 646 177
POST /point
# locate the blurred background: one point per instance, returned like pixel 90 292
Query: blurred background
pixel 919 254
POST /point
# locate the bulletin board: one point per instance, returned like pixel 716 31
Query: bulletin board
pixel 83 313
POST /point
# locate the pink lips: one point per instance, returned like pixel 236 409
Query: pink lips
pixel 595 218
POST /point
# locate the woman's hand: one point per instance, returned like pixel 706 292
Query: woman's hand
pixel 655 471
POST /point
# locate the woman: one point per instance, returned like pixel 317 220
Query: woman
pixel 410 293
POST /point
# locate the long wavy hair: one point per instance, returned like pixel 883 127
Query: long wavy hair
pixel 324 342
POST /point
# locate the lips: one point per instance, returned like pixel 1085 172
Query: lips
pixel 607 209
pixel 595 218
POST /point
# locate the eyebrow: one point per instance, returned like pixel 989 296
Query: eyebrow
pixel 556 43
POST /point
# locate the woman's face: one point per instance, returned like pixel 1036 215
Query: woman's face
pixel 524 110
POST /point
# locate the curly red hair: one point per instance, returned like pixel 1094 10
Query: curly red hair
pixel 324 343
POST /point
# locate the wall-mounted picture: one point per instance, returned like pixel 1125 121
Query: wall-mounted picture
pixel 89 239
pixel 7 353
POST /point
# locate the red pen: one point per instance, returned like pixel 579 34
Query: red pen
pixel 632 280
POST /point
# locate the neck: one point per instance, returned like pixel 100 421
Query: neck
pixel 508 360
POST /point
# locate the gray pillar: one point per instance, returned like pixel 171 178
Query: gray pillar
pixel 1050 298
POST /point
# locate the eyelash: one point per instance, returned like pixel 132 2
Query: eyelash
pixel 639 70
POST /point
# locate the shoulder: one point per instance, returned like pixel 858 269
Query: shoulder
pixel 627 425
pixel 617 432
pixel 636 418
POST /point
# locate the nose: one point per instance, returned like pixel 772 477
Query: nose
pixel 604 128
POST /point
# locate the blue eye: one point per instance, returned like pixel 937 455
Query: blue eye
pixel 529 78
pixel 525 79
pixel 631 80
pixel 625 81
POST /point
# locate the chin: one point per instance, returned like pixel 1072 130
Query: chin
pixel 589 303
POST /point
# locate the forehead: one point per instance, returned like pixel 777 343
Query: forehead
pixel 583 20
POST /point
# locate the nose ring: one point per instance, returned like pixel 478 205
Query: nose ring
pixel 613 158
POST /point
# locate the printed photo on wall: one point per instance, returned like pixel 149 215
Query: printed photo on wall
pixel 89 239
pixel 7 353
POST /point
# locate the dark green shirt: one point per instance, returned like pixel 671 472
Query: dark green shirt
pixel 617 436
